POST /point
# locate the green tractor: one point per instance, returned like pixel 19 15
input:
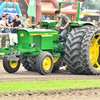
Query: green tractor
pixel 37 50
pixel 41 50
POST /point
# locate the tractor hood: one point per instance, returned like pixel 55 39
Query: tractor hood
pixel 34 32
pixel 80 23
pixel 49 21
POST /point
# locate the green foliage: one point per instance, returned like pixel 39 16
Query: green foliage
pixel 8 87
pixel 91 4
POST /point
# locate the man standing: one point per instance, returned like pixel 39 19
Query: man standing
pixel 16 23
pixel 63 23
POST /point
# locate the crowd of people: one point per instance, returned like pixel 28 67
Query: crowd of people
pixel 96 23
pixel 10 26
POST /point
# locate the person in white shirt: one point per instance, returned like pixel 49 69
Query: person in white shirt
pixel 24 22
pixel 3 24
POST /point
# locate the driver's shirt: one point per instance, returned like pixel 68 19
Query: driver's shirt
pixel 62 21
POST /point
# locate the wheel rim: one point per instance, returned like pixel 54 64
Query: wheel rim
pixel 55 59
pixel 13 64
pixel 94 51
pixel 47 63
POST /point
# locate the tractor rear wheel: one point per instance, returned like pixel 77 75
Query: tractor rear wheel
pixel 29 63
pixel 10 66
pixel 44 63
pixel 81 57
pixel 58 62
pixel 91 51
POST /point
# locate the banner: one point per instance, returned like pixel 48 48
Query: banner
pixel 32 8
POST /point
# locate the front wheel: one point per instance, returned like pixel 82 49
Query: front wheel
pixel 11 66
pixel 44 63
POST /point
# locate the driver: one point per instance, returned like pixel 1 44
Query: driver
pixel 63 23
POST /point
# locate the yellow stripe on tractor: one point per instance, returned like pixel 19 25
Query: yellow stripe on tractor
pixel 44 34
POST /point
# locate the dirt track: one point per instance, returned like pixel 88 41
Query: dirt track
pixel 23 75
pixel 86 94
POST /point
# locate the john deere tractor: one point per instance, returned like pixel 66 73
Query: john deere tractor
pixel 41 50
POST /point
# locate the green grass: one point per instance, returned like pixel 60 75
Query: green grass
pixel 6 87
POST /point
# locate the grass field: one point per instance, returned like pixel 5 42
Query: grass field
pixel 7 87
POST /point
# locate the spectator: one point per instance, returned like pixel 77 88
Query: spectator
pixel 47 18
pixel 12 18
pixel 2 15
pixel 27 20
pixel 7 20
pixel 24 22
pixel 89 20
pixel 20 17
pixel 16 23
pixel 3 24
pixel 98 23
pixel 93 22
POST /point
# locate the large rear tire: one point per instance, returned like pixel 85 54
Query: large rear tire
pixel 29 63
pixel 10 66
pixel 76 50
pixel 91 51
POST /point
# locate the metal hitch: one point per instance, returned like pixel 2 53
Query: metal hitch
pixel 14 55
